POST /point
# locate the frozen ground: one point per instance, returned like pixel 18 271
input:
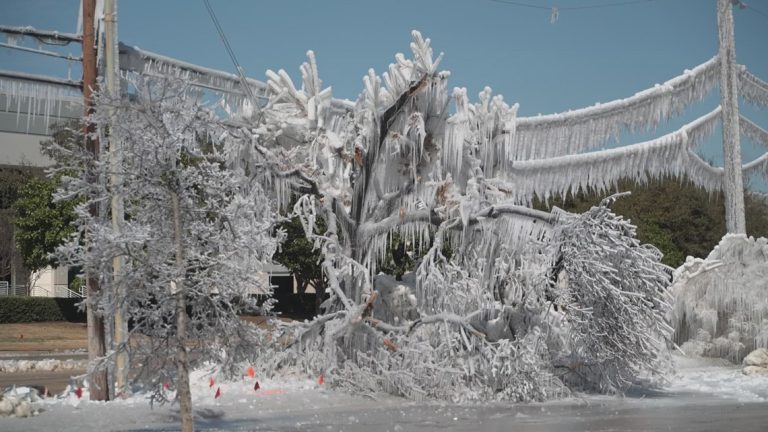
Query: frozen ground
pixel 702 397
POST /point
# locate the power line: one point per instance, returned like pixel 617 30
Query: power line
pixel 514 3
pixel 231 52
pixel 555 10
pixel 592 6
pixel 596 6
pixel 748 6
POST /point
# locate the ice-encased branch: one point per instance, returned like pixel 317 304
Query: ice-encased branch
pixel 372 155
pixel 370 229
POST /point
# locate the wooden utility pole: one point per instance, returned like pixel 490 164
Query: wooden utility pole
pixel 112 80
pixel 96 346
pixel 733 180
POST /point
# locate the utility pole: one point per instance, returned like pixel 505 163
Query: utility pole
pixel 96 346
pixel 733 180
pixel 112 80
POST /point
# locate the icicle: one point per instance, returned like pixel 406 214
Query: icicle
pixel 757 166
pixel 753 89
pixel 755 133
pixel 554 15
pixel 457 132
pixel 39 99
pixel 586 128
pixel 667 155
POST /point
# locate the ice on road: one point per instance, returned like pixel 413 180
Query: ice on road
pixel 701 397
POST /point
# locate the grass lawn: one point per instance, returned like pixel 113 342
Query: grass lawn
pixel 61 335
pixel 43 336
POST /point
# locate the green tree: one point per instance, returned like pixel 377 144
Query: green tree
pixel 11 179
pixel 302 259
pixel 42 224
pixel 399 258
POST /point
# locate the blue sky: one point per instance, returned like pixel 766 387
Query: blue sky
pixel 587 56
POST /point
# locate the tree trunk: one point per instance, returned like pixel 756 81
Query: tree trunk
pixel 319 296
pixel 182 360
pixel 98 386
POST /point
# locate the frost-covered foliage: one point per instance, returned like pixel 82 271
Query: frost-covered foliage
pixel 503 330
pixel 615 298
pixel 195 234
pixel 479 312
pixel 506 302
pixel 721 302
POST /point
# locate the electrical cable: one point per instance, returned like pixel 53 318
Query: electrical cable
pixel 562 8
pixel 753 9
pixel 233 57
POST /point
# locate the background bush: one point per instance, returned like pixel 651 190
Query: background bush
pixel 35 309
pixel 674 215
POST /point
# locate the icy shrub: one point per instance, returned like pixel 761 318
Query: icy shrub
pixel 498 332
pixel 615 300
pixel 721 302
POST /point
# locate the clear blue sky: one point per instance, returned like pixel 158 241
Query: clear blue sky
pixel 587 56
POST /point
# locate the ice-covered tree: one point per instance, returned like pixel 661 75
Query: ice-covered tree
pixel 615 298
pixel 410 161
pixel 195 236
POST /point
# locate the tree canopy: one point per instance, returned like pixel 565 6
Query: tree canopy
pixel 42 223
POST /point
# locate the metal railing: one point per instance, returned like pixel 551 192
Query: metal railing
pixel 38 291
pixel 63 291
pixel 22 290
pixel 7 290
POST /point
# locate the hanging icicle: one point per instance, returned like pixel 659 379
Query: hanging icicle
pixel 601 170
pixel 576 131
pixel 755 133
pixel 753 89
pixel 31 98
pixel 757 166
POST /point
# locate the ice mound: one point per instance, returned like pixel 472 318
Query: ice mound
pixel 721 302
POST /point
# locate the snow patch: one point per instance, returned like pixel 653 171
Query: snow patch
pixel 11 366
pixel 703 376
